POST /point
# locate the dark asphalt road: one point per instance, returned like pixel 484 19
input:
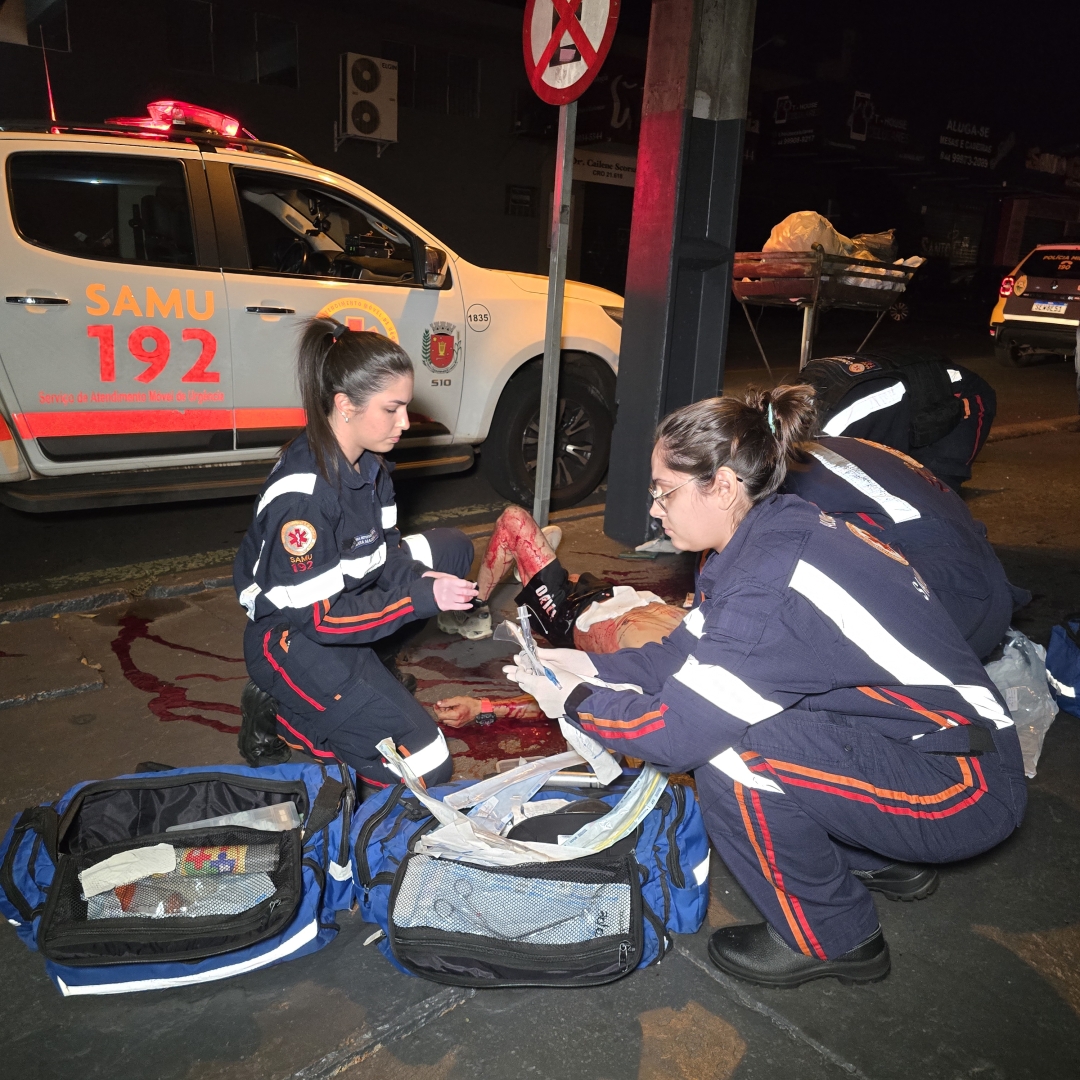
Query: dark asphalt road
pixel 59 546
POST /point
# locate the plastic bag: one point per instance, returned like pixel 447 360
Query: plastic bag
pixel 801 230
pixel 1020 675
pixel 279 817
pixel 880 245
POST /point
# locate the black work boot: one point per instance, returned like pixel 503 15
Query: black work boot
pixel 405 678
pixel 258 740
pixel 900 881
pixel 756 953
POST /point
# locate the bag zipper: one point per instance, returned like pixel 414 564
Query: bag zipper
pixel 363 868
pixel 625 950
pixel 674 865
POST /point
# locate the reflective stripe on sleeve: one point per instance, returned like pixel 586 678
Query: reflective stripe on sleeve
pixel 248 598
pixel 420 549
pixel 985 704
pixel 360 567
pixel 730 764
pixel 726 691
pixel 389 516
pixel 306 593
pixel 301 483
pixel 695 623
pixel 430 757
pixel 863 630
pixel 872 403
pixel 895 507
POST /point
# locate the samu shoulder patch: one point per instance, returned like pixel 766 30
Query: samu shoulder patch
pixel 298 537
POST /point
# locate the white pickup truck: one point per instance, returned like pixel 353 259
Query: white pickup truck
pixel 154 276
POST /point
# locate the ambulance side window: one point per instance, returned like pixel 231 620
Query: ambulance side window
pixel 122 208
pixel 296 227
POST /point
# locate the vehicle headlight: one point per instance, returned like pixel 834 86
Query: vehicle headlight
pixel 614 313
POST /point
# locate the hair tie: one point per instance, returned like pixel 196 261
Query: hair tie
pixel 340 329
pixel 771 417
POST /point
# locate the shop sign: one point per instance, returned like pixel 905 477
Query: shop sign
pixel 594 166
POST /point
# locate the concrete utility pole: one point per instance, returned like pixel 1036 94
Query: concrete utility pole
pixel 682 238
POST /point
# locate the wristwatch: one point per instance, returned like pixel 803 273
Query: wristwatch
pixel 487 713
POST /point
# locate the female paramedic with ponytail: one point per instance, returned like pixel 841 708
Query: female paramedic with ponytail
pixel 842 731
pixel 324 574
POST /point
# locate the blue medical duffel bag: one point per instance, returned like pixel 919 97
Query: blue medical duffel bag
pixel 239 899
pixel 582 922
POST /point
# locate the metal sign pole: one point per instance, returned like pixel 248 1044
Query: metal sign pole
pixel 560 236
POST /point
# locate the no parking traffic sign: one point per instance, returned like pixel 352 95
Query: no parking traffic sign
pixel 566 43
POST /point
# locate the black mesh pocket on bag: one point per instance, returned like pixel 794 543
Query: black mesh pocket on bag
pixel 241 885
pixel 550 924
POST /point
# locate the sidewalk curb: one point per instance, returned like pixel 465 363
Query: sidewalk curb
pixel 50 695
pixel 1033 427
pixel 187 583
pixel 87 600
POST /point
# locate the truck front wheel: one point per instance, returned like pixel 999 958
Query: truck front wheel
pixel 582 437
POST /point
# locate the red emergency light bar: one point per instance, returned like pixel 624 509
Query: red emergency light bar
pixel 168 115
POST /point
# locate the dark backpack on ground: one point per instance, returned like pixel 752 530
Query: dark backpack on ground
pixel 577 923
pixel 934 408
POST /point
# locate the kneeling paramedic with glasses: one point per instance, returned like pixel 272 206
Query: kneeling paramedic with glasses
pixel 842 732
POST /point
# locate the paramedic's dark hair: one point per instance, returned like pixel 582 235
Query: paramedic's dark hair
pixel 753 433
pixel 333 360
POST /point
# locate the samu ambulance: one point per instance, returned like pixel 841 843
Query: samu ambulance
pixel 153 276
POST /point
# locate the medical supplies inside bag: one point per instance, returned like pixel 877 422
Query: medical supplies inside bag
pixel 177 915
pixel 579 922
pixel 187 875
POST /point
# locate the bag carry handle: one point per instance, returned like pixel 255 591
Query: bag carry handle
pixel 326 806
pixel 44 821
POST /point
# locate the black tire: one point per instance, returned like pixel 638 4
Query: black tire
pixel 508 455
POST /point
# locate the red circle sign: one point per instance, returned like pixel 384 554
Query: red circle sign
pixel 566 43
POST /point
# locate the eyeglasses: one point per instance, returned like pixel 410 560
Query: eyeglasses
pixel 657 496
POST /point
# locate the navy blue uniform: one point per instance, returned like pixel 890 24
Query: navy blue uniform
pixel 879 410
pixel 896 499
pixel 324 574
pixel 835 718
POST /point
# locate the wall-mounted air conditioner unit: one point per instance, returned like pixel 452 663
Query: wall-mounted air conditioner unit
pixel 368 99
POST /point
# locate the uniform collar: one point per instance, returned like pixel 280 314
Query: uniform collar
pixel 366 471
pixel 721 561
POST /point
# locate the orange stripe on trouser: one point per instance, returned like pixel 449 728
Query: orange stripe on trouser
pixel 782 897
pixel 802 776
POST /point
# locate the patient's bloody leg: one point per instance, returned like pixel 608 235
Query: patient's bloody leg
pixel 517 538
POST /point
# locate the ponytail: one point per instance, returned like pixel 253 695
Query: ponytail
pixel 753 434
pixel 334 360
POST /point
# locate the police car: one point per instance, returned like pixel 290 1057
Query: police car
pixel 154 274
pixel 1038 306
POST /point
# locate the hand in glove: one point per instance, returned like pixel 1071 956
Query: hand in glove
pixel 550 698
pixel 580 663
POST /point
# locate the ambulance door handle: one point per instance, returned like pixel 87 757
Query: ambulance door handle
pixel 37 301
pixel 259 309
